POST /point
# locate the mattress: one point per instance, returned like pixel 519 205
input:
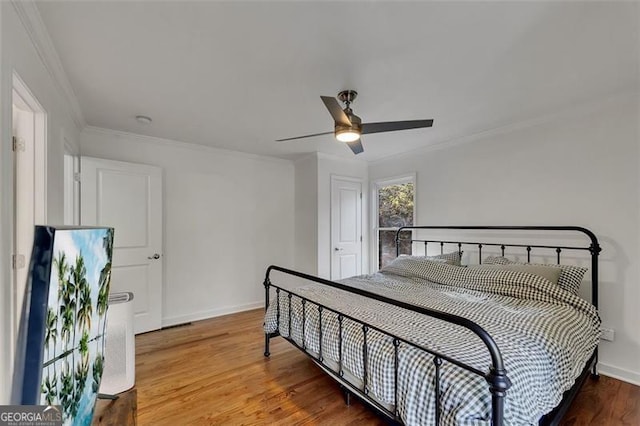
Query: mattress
pixel 545 334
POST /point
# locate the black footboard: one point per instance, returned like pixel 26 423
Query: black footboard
pixel 496 377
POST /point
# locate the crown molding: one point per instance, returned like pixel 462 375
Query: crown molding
pixel 32 22
pixel 135 137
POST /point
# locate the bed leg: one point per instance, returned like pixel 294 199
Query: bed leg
pixel 347 395
pixel 266 345
pixel 594 372
pixel 594 368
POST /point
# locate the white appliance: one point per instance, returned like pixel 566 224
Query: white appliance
pixel 120 350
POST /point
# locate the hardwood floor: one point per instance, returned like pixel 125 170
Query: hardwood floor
pixel 213 372
pixel 118 412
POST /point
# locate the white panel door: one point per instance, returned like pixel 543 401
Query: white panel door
pixel 29 190
pixel 346 227
pixel 128 197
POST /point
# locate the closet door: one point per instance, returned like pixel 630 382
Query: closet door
pixel 128 197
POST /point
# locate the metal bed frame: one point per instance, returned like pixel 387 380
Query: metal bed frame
pixel 496 376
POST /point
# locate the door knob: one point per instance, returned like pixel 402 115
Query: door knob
pixel 155 256
pixel 338 249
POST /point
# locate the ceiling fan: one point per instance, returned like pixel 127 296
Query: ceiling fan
pixel 348 126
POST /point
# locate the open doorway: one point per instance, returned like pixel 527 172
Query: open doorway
pixel 29 124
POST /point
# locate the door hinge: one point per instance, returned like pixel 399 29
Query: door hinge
pixel 361 195
pixel 18 144
pixel 76 177
pixel 360 238
pixel 18 261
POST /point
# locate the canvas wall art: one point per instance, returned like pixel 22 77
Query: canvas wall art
pixel 72 320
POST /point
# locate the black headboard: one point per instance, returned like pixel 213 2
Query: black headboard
pixel 593 248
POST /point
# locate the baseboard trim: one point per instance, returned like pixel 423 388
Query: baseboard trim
pixel 200 315
pixel 619 373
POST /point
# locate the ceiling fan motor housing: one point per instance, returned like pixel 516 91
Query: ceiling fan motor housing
pixel 356 123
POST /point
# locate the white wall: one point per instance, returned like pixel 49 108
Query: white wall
pixel 19 53
pixel 578 168
pixel 306 214
pixel 227 216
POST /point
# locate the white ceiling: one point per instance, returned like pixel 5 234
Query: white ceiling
pixel 238 75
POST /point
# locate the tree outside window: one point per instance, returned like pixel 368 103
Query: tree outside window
pixel 395 209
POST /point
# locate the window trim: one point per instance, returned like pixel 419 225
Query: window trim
pixel 375 186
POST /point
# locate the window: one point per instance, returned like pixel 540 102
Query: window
pixel 394 208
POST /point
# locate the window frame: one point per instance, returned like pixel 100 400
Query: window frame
pixel 375 186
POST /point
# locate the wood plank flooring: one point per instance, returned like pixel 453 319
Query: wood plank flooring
pixel 213 372
pixel 118 412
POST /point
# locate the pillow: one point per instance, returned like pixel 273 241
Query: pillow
pixel 550 273
pixel 452 258
pixel 570 276
pixel 419 258
pixel 407 262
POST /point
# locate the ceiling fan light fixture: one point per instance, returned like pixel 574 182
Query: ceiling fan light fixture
pixel 347 135
pixel 348 127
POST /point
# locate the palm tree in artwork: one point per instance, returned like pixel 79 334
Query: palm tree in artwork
pixel 81 371
pixel 98 368
pixel 62 267
pixel 103 302
pixel 68 310
pixel 107 242
pixel 66 299
pixel 77 280
pixel 50 384
pixel 85 307
pixel 66 393
pixel 83 347
pixel 104 280
pixel 50 388
pixel 51 332
pixel 105 273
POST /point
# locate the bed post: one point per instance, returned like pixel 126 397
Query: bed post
pixel 267 337
pixel 595 250
pixel 498 385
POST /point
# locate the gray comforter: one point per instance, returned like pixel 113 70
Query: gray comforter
pixel 545 334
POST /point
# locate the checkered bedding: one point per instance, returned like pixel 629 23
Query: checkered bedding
pixel 545 335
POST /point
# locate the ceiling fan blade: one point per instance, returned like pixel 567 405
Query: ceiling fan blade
pixel 356 146
pixel 305 136
pixel 392 126
pixel 336 112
